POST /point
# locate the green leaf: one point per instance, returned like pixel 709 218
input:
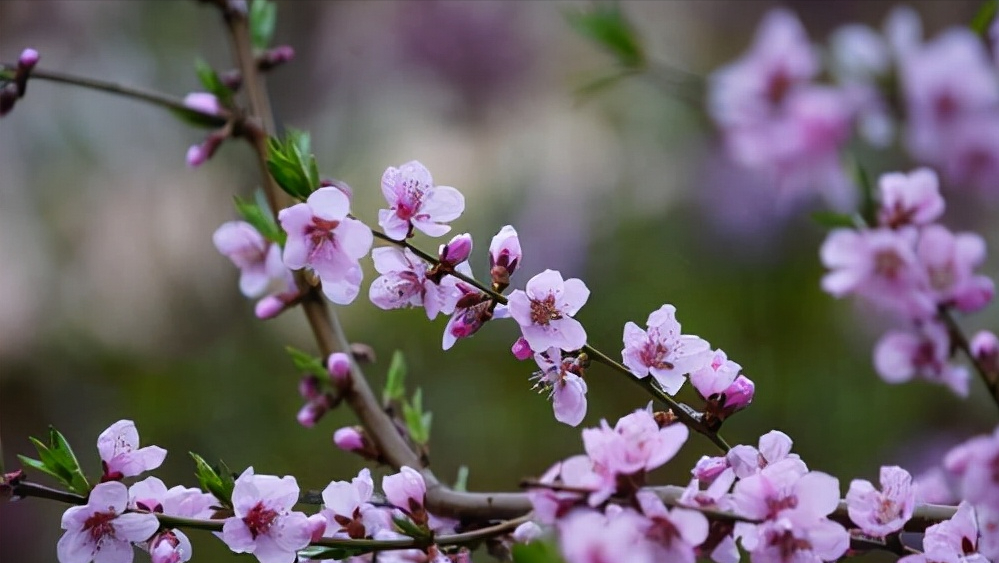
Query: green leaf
pixel 395 383
pixel 292 164
pixel 417 422
pixel 984 17
pixel 536 552
pixel 407 527
pixel 211 82
pixel 39 466
pixel 211 482
pixel 606 25
pixel 461 482
pixel 868 197
pixel 197 119
pixel 832 219
pixel 49 459
pixel 65 456
pixel 261 219
pixel 320 552
pixel 307 362
pixel 263 17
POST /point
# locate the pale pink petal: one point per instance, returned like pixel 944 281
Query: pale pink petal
pixel 329 204
pixel 294 221
pixel 114 551
pixel 575 296
pixel 354 238
pixel 136 527
pixel 76 546
pixel 569 400
pixel 237 535
pixel 443 204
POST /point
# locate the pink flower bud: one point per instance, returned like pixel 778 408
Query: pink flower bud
pixel 521 349
pixel 739 395
pixel 276 56
pixel 527 532
pixel 709 468
pixel 405 489
pixel 203 102
pixel 456 251
pixel 196 156
pixel 28 59
pixel 312 411
pixel 349 439
pixel 338 365
pixel 269 307
pixel 308 387
pixel 504 256
pixel 985 349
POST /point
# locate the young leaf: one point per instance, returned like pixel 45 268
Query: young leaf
pixel 607 26
pixel 407 527
pixel 211 82
pixel 536 552
pixel 461 482
pixel 984 17
pixel 263 17
pixel 212 482
pixel 832 219
pixel 39 466
pixel 868 199
pixel 261 219
pixel 65 456
pixel 307 362
pixel 292 164
pixel 318 552
pixel 417 422
pixel 395 383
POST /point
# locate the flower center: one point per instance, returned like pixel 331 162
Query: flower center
pixel 99 525
pixel 888 264
pixel 776 505
pixel 662 531
pixel 887 510
pixel 654 355
pixel 319 233
pixel 410 199
pixel 544 311
pixel 787 544
pixel 259 519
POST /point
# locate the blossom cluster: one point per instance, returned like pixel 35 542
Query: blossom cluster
pixel 915 268
pixel 939 96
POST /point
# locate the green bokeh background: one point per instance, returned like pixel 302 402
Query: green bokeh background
pixel 114 304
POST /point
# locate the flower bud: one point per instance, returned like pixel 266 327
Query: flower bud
pixel 269 307
pixel 312 411
pixel 308 387
pixel 709 468
pixel 338 365
pixel 28 59
pixel 738 395
pixel 456 251
pixel 527 532
pixel 275 57
pixel 363 353
pixel 203 102
pixel 504 256
pixel 521 349
pixel 349 439
pixel 232 79
pixel 465 322
pixel 985 349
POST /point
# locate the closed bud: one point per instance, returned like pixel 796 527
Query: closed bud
pixel 308 387
pixel 338 365
pixel 456 251
pixel 203 102
pixel 985 349
pixel 738 395
pixel 521 349
pixel 505 251
pixel 28 59
pixel 275 57
pixel 312 411
pixel 269 307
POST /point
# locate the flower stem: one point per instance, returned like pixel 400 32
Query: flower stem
pixel 960 341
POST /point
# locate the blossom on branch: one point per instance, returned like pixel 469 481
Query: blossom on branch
pixel 101 531
pixel 879 513
pixel 322 237
pixel 415 202
pixel 121 455
pixel 544 311
pixel 662 351
pixel 264 524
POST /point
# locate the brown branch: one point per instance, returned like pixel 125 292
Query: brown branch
pixel 960 341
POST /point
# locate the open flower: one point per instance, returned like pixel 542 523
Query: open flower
pixel 879 513
pixel 121 455
pixel 544 312
pixel 417 203
pixel 322 237
pixel 663 351
pixel 264 524
pixel 100 531
pixel 568 389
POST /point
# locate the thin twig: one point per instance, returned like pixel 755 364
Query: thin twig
pixel 960 341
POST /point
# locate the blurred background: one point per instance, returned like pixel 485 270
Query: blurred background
pixel 114 303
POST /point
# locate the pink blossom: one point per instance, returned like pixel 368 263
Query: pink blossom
pixel 985 349
pixel 264 524
pixel 663 351
pixel 951 540
pixel 101 531
pixel 404 282
pixel 781 490
pixel 975 464
pixel 791 541
pixel 152 495
pixel 417 203
pixel 568 388
pixel 880 265
pixel 901 356
pixel 552 504
pixel 321 236
pixel 348 510
pixel 28 59
pixel 545 310
pixel 203 102
pixel 715 376
pixel 170 546
pixel 338 365
pixel 775 447
pixel 673 534
pixel 121 455
pixel 405 489
pixel 910 199
pixel 636 443
pixel 879 513
pixel 949 261
pixel 586 536
pixel 258 260
pixel 349 439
